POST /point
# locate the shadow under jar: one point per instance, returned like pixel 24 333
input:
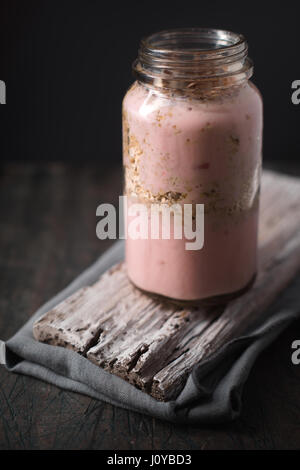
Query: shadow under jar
pixel 192 134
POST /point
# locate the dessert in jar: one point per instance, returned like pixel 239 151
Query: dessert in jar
pixel 192 134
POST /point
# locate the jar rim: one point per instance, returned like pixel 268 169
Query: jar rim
pixel 223 41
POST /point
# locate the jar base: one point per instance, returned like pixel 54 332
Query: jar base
pixel 213 301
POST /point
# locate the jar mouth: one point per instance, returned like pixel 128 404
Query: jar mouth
pixel 195 41
pixel 192 54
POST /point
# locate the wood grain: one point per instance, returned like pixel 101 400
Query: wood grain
pixel 154 345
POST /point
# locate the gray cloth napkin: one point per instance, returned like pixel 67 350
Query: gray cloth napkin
pixel 213 390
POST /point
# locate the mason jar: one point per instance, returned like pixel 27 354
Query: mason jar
pixel 192 137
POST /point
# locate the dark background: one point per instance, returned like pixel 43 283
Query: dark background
pixel 67 65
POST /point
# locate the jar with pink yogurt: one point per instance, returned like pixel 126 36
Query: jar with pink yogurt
pixel 192 134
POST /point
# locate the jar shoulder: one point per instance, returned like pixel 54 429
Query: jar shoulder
pixel 138 95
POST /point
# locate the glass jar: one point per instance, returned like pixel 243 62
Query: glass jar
pixel 192 134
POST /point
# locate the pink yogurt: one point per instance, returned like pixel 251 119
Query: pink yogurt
pixel 195 151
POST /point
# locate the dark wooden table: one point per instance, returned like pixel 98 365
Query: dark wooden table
pixel 47 238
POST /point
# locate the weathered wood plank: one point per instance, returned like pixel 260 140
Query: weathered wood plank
pixel 154 345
